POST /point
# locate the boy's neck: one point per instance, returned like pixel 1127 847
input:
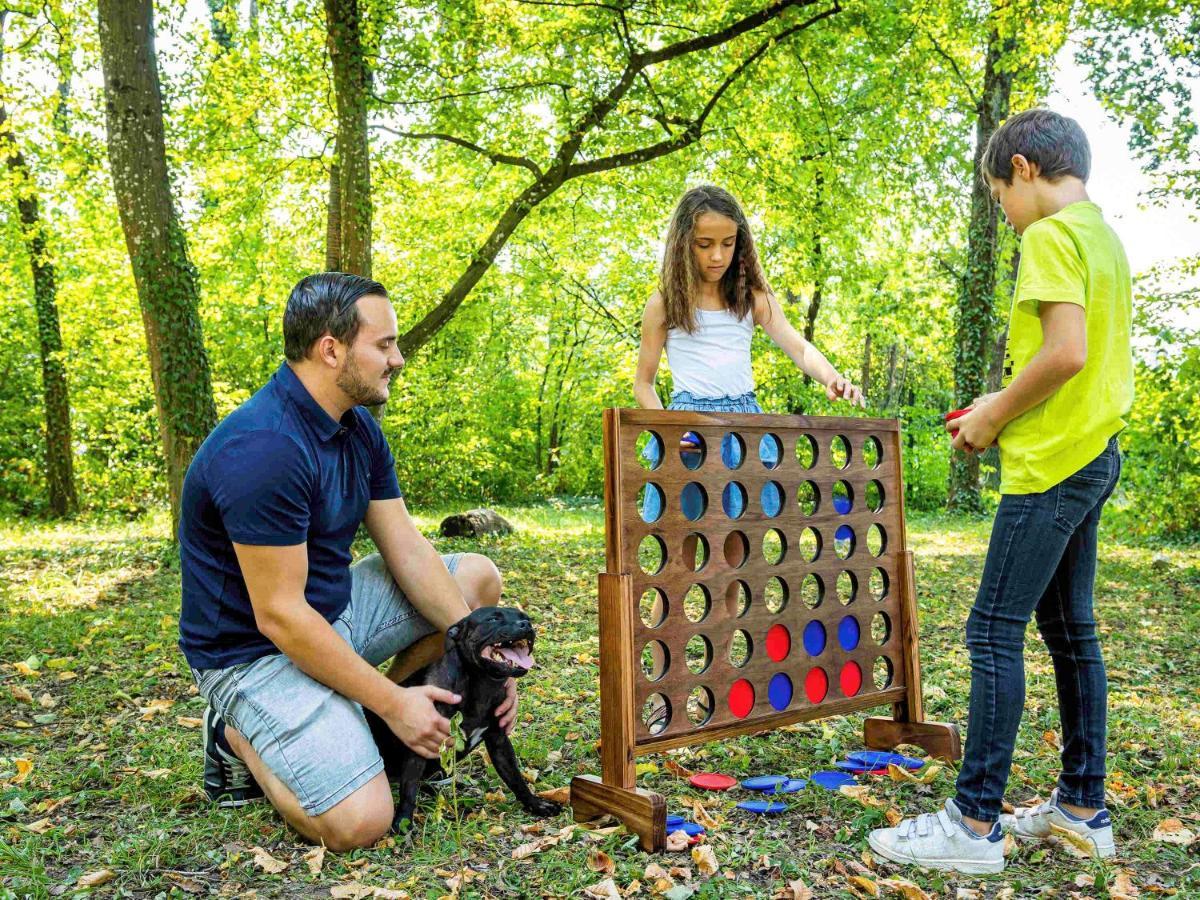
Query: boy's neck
pixel 1053 196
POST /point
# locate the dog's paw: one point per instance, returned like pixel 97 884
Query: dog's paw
pixel 543 808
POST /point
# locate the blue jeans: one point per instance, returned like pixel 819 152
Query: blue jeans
pixel 733 503
pixel 1041 559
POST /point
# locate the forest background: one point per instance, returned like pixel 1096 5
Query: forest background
pixel 506 169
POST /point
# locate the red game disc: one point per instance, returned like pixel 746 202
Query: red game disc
pixel 816 685
pixel 779 643
pixel 741 698
pixel 851 678
pixel 711 781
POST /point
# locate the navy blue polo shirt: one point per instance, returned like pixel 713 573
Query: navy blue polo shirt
pixel 278 471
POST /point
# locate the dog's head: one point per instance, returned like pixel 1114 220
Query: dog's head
pixel 494 640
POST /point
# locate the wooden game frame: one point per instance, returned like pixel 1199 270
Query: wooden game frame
pixel 623 687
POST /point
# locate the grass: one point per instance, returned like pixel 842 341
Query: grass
pixel 88 630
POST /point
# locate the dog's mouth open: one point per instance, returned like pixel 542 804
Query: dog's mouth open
pixel 515 654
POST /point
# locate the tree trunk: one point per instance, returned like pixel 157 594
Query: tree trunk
pixel 220 33
pixel 167 286
pixel 60 470
pixel 351 82
pixel 977 293
pixel 866 367
pixel 333 225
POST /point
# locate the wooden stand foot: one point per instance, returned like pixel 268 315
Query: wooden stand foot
pixel 642 812
pixel 939 739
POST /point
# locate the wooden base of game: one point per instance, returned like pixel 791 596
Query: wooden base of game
pixel 642 812
pixel 939 739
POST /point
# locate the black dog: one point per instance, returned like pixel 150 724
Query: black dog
pixel 483 650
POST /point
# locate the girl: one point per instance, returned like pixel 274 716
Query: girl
pixel 712 292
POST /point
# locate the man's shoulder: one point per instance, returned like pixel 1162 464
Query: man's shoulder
pixel 263 426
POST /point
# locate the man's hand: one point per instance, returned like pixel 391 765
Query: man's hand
pixel 977 430
pixel 416 721
pixel 842 388
pixel 507 711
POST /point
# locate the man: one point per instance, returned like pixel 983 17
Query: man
pixel 282 634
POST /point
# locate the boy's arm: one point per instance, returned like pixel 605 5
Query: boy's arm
pixel 1061 357
pixel 654 336
pixel 811 361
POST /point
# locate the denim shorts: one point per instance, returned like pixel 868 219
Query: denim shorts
pixel 313 739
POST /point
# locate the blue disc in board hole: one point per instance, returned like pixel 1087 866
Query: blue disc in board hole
pixel 788 787
pixel 763 807
pixel 831 781
pixel 877 759
pixel 762 782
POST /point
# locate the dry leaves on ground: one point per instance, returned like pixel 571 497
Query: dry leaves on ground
pixel 906 889
pixel 599 861
pixel 603 890
pixel 1076 844
pixel 793 890
pixel 95 879
pixel 677 841
pixel 267 862
pixel 705 860
pixel 1172 831
pixel 315 859
pixel 903 773
pixel 558 794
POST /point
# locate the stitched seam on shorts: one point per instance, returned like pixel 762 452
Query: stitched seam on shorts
pixel 268 722
pixel 364 774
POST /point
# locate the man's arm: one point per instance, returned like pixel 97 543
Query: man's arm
pixel 275 579
pixel 415 564
pixel 1062 355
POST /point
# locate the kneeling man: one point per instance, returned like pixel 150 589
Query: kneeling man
pixel 282 634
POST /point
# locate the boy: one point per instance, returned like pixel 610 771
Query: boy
pixel 1069 381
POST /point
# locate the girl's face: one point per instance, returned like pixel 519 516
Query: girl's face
pixel 713 242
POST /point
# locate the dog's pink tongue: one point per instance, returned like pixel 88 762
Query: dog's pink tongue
pixel 517 657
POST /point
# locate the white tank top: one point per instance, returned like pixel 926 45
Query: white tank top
pixel 714 360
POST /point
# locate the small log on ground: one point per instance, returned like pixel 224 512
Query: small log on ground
pixel 475 523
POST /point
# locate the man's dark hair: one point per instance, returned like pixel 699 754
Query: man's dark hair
pixel 1056 143
pixel 324 303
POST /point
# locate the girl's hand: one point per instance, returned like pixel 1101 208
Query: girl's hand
pixel 842 388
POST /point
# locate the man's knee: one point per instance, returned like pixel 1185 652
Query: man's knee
pixel 479 579
pixel 360 820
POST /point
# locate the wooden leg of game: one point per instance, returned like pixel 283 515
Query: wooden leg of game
pixel 642 812
pixel 907 725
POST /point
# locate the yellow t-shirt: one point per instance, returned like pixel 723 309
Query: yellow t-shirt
pixel 1069 257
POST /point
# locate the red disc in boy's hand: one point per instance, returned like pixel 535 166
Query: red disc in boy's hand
pixel 955 414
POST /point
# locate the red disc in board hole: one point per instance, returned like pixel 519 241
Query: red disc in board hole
pixel 851 678
pixel 816 685
pixel 741 698
pixel 779 643
pixel 711 781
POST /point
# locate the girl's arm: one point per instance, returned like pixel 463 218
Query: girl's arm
pixel 654 336
pixel 812 362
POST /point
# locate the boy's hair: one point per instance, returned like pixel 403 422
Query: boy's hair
pixel 1056 143
pixel 679 281
pixel 324 303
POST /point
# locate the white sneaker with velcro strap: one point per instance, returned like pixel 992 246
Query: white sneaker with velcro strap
pixel 1035 823
pixel 941 840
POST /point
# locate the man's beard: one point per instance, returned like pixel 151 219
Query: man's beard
pixel 363 391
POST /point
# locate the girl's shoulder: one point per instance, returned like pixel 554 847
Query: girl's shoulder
pixel 762 305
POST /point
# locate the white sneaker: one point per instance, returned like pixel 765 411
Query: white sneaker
pixel 941 840
pixel 1032 823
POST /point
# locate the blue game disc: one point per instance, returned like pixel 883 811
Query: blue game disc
pixel 814 638
pixel 762 782
pixel 848 633
pixel 831 781
pixel 691 829
pixel 788 787
pixel 878 759
pixel 762 807
pixel 675 820
pixel 855 767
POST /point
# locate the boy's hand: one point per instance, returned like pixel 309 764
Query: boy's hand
pixel 977 430
pixel 842 388
pixel 986 398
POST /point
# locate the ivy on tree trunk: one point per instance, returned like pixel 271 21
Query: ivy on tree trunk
pixel 167 285
pixel 350 183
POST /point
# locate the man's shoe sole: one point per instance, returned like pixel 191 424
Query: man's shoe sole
pixel 965 866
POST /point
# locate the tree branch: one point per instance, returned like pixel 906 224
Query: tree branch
pixel 954 65
pixel 506 158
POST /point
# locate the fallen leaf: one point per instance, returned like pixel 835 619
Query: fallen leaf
pixel 46 701
pixel 635 887
pixel 494 797
pixel 677 840
pixel 97 878
pixel 894 816
pixel 1122 887
pixel 188 721
pixel 1010 846
pixel 41 826
pixel 353 890
pixel 862 793
pixel 903 773
pixel 1051 738
pixel 24 767
pixel 906 889
pixel 705 860
pixel 703 817
pixel 1172 831
pixel 21 693
pixel 185 884
pixel 793 890
pixel 1076 844
pixel 267 862
pixel 154 708
pixel 968 894
pixel 603 890
pixel 645 768
pixel 558 794
pixel 683 872
pixel 599 861
pixel 863 886
pixel 526 850
pixel 315 859
pixel 23 668
pixel 677 770
pixel 654 871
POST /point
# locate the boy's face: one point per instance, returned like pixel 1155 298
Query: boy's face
pixel 1018 199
